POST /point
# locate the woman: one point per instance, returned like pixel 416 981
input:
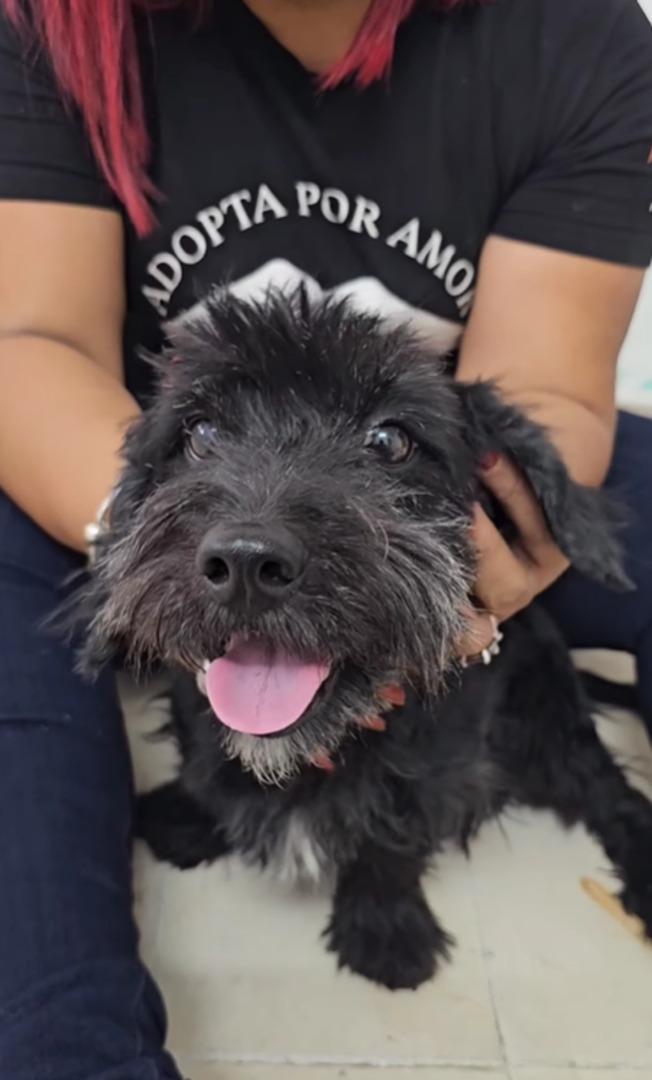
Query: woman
pixel 481 166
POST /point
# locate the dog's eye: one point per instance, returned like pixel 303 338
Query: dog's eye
pixel 201 440
pixel 391 443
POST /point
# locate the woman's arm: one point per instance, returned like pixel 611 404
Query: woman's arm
pixel 548 327
pixel 63 406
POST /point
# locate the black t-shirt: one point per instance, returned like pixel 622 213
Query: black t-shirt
pixel 531 119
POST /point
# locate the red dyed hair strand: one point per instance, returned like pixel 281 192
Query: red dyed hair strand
pixel 94 56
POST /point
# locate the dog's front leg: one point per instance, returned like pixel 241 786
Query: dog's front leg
pixel 595 790
pixel 177 829
pixel 546 742
pixel 382 926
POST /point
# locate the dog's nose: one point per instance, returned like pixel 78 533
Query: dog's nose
pixel 251 564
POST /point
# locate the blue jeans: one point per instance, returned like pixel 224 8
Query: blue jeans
pixel 75 1001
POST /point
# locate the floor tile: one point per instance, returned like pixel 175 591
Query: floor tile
pixel 608 663
pixel 245 975
pixel 340 1072
pixel 615 1073
pixel 569 984
pixel 153 761
pixel 146 710
pixel 149 883
pixel 629 742
pixel 624 733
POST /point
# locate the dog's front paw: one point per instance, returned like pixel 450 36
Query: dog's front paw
pixel 396 942
pixel 176 829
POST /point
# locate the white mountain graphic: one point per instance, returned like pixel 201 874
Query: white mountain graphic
pixel 366 295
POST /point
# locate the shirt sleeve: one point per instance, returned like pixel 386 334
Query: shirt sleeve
pixel 44 153
pixel 584 180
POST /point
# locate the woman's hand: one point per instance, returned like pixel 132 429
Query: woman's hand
pixel 508 578
pixel 546 327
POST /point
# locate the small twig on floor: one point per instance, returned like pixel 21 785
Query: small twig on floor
pixel 611 904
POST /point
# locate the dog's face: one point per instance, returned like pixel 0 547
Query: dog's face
pixel 293 525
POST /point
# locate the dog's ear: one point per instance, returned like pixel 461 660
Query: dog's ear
pixel 583 521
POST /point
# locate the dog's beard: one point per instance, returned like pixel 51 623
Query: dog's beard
pixel 385 607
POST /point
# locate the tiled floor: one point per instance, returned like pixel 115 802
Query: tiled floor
pixel 544 985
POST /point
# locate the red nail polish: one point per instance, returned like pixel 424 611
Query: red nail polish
pixel 487 461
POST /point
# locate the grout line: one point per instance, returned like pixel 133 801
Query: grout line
pixel 609 1069
pixel 579 1065
pixel 312 1060
pixel 486 966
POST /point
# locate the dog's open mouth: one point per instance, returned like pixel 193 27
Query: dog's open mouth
pixel 257 689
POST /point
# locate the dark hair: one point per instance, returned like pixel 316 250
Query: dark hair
pixel 92 47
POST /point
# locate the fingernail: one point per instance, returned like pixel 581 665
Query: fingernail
pixel 488 461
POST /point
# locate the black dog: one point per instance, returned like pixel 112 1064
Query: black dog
pixel 290 538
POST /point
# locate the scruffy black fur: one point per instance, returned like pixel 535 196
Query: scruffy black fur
pixel 293 393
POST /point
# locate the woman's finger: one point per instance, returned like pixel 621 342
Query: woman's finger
pixel 504 583
pixel 515 495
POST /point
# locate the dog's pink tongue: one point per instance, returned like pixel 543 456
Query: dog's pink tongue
pixel 258 691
